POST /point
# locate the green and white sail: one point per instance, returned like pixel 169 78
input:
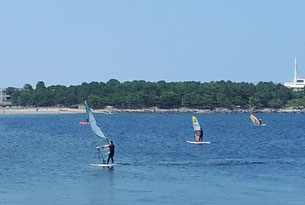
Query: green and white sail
pixel 97 132
pixel 196 124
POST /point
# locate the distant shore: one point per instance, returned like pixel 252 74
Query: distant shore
pixel 112 110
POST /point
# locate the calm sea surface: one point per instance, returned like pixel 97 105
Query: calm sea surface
pixel 44 159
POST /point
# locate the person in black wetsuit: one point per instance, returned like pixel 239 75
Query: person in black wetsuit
pixel 200 134
pixel 111 149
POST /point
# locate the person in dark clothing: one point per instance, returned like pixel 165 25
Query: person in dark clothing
pixel 111 149
pixel 200 134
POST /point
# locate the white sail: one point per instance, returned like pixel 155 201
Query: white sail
pixel 95 128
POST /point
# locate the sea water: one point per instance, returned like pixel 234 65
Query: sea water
pixel 44 159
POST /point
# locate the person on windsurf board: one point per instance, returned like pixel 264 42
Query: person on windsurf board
pixel 111 149
pixel 256 121
pixel 200 134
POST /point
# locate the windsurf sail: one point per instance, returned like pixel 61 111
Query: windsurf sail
pixel 196 127
pixel 255 120
pixel 103 152
pixel 196 124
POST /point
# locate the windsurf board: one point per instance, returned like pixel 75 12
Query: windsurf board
pixel 102 165
pixel 198 142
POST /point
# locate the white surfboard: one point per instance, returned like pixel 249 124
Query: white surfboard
pixel 198 142
pixel 102 165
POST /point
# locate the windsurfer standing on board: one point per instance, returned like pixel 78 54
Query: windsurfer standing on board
pixel 111 149
pixel 200 134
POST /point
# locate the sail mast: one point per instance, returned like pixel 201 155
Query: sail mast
pixel 295 70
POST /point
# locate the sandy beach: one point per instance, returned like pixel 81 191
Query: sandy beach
pixel 32 111
pixel 112 110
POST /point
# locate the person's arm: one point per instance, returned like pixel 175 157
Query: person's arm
pixel 102 146
pixel 107 145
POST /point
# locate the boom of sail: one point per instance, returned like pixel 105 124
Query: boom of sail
pixel 104 153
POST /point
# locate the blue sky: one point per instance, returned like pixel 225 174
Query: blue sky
pixel 69 42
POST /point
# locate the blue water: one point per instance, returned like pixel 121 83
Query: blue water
pixel 44 159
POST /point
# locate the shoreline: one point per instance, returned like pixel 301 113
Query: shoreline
pixel 112 110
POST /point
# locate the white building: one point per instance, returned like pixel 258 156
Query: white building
pixel 298 83
pixel 3 95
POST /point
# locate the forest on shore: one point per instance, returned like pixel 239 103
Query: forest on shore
pixel 161 94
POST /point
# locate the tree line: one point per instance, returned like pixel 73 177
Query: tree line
pixel 141 94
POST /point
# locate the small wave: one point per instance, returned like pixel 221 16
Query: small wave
pixel 124 164
pixel 181 163
pixel 234 162
pixel 225 162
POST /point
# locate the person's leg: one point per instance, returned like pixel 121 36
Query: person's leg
pixel 110 157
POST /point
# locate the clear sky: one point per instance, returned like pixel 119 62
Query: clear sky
pixel 68 42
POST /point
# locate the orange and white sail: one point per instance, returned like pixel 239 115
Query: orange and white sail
pixel 255 120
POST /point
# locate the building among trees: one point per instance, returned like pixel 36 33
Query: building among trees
pixel 3 95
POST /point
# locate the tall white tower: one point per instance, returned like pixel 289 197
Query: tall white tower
pixel 295 70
